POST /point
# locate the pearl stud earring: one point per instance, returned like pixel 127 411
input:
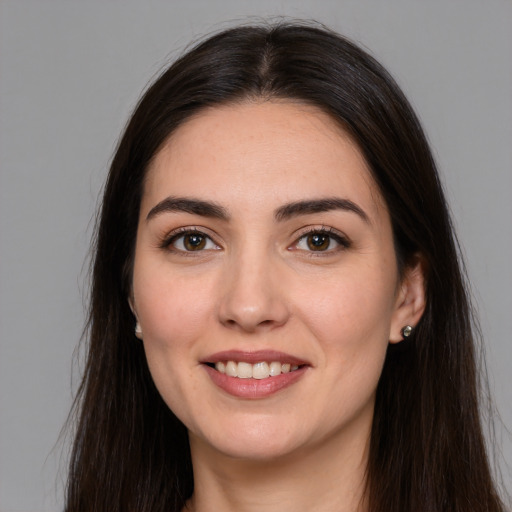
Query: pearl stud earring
pixel 406 331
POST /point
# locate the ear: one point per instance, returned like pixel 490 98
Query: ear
pixel 410 301
pixel 132 306
pixel 138 329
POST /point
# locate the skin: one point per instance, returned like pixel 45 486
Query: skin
pixel 257 285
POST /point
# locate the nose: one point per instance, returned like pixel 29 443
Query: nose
pixel 253 297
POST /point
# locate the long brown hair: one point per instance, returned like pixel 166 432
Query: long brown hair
pixel 427 451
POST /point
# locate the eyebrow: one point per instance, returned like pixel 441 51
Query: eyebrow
pixel 318 206
pixel 189 205
pixel 285 212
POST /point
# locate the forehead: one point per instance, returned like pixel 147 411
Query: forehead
pixel 255 153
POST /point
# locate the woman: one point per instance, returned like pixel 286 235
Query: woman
pixel 278 317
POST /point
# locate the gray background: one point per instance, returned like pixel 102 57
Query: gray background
pixel 71 71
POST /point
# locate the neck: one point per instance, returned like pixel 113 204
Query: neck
pixel 325 477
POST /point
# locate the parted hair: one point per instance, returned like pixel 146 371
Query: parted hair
pixel 427 451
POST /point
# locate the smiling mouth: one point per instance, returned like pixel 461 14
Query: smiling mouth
pixel 260 370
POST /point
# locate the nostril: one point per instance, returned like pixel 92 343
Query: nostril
pixel 251 306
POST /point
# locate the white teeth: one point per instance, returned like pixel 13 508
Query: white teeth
pixel 231 369
pixel 244 370
pixel 261 370
pixel 275 368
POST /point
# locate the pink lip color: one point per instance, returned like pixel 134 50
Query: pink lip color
pixel 254 388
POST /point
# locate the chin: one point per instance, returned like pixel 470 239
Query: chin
pixel 254 442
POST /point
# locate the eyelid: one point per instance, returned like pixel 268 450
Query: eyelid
pixel 175 234
pixel 338 236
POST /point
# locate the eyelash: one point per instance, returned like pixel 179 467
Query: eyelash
pixel 332 234
pixel 168 242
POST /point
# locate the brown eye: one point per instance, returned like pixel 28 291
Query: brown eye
pixel 194 242
pixel 191 241
pixel 322 240
pixel 318 241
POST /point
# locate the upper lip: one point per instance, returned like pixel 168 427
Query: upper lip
pixel 254 357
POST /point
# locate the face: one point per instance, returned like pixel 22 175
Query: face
pixel 265 280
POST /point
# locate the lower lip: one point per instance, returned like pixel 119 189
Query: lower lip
pixel 254 388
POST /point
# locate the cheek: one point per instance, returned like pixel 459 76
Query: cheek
pixel 174 309
pixel 351 315
pixel 352 304
pixel 351 325
pixel 174 313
